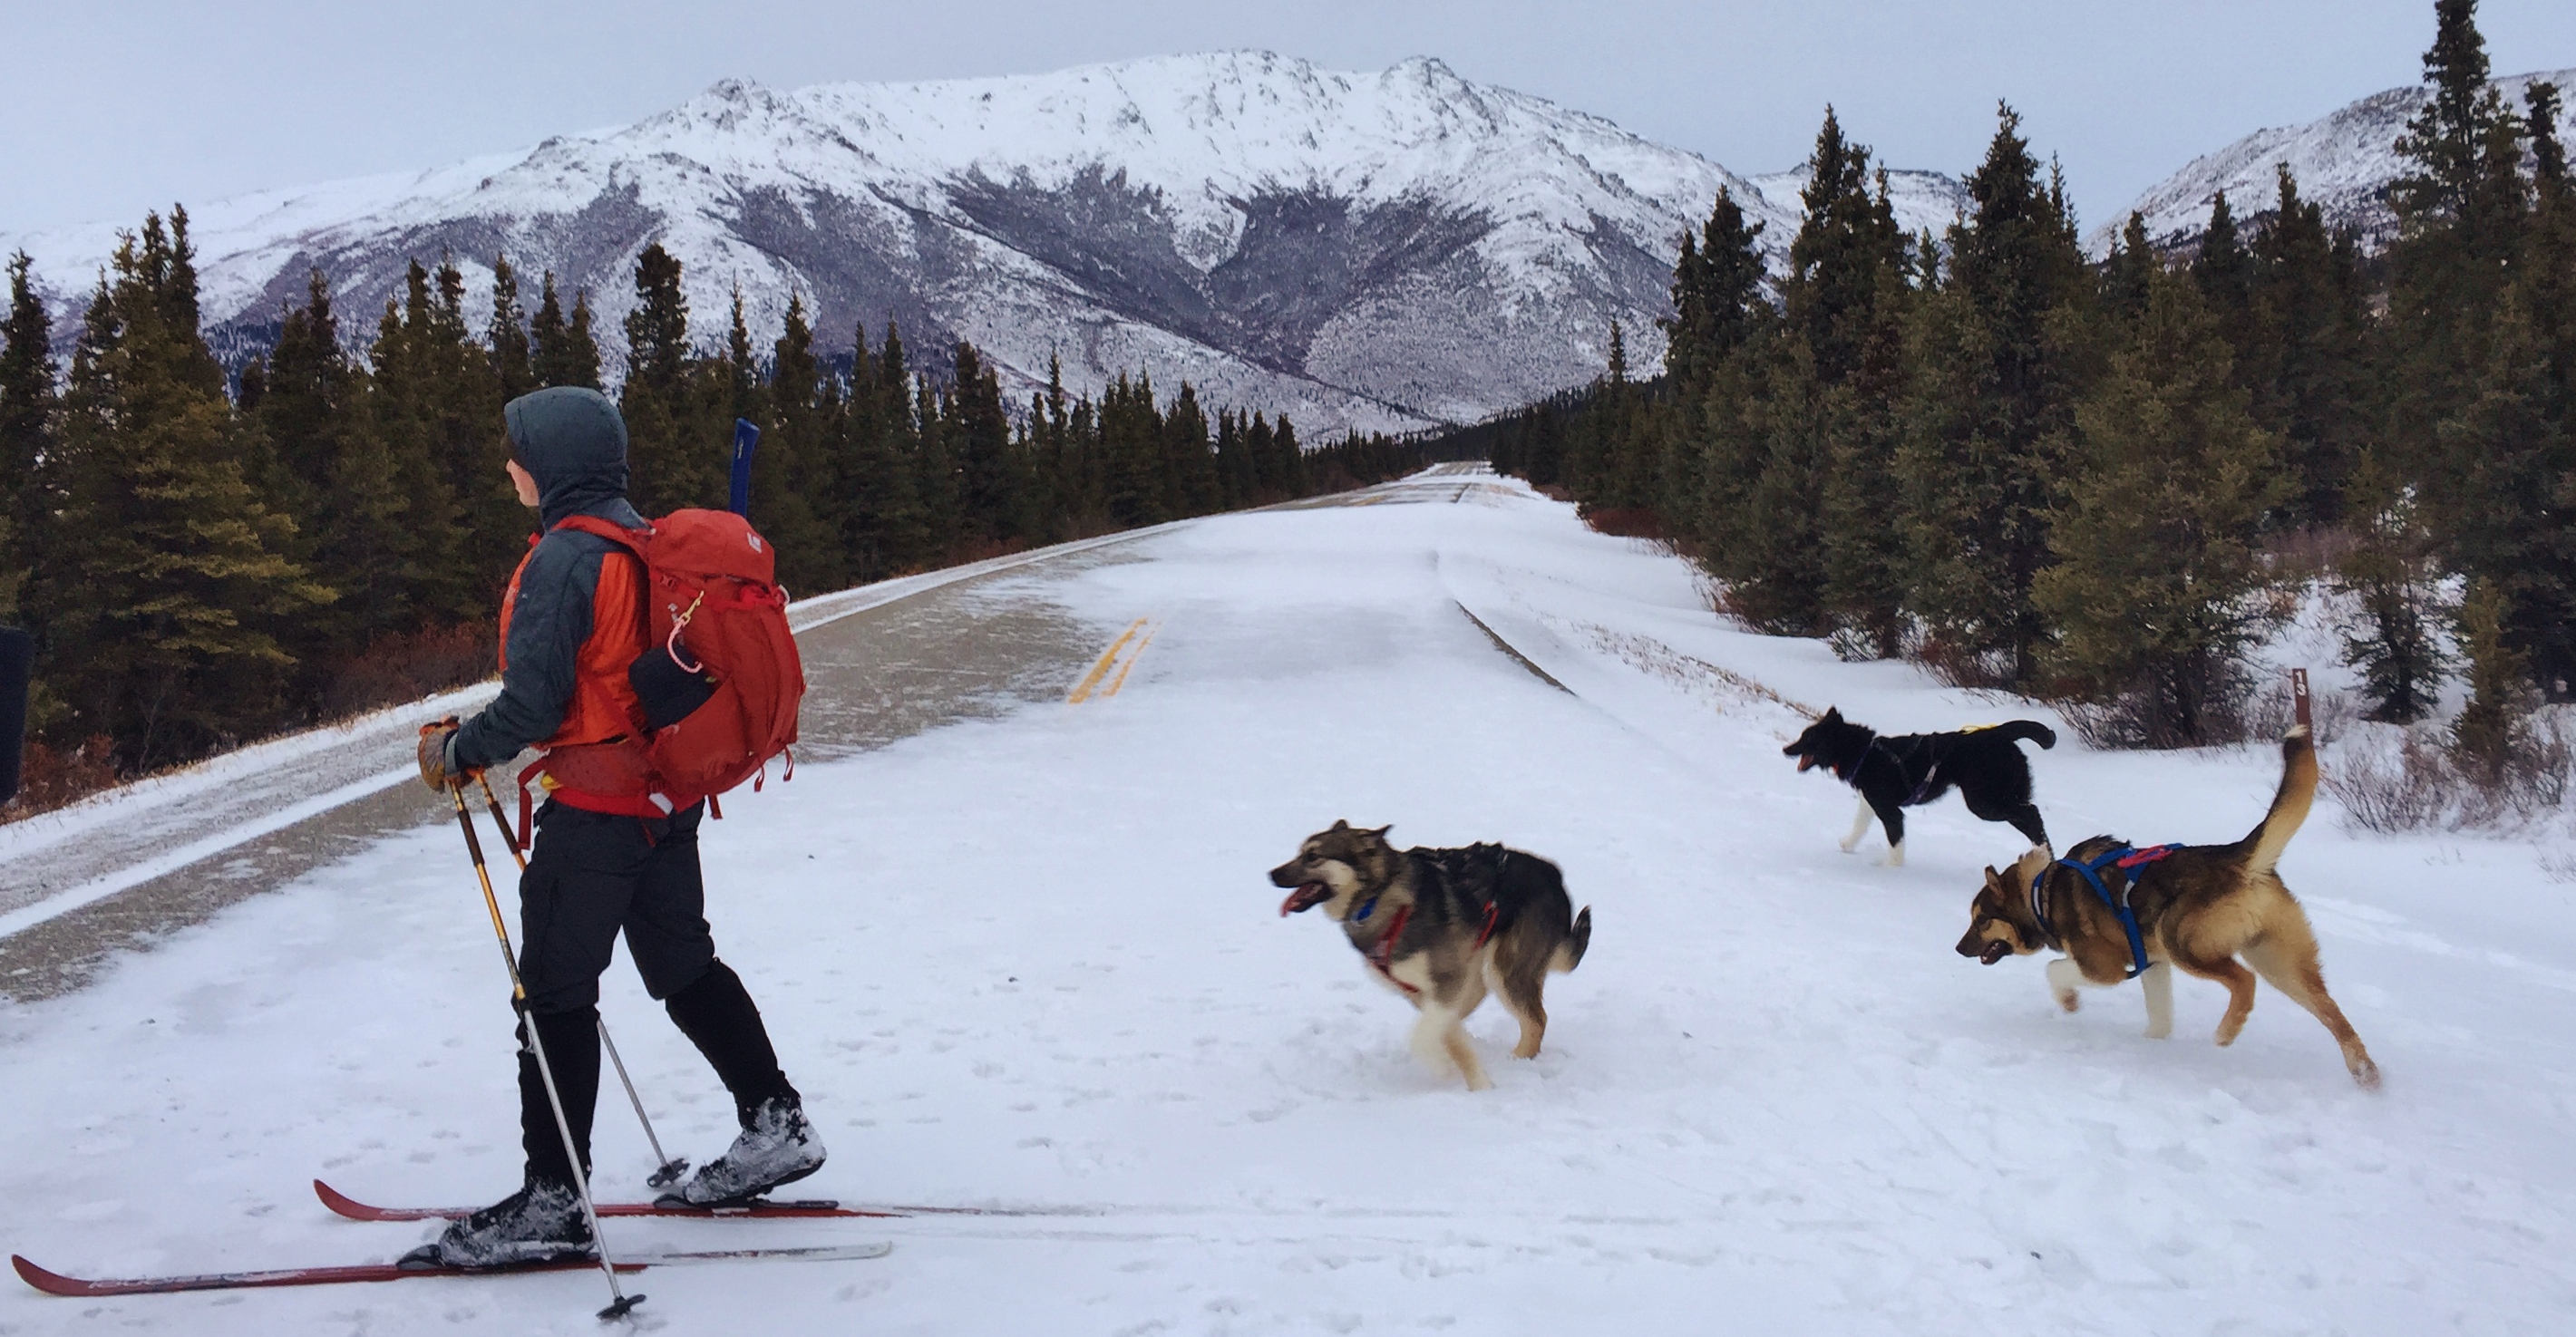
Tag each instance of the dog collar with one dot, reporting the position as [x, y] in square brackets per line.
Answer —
[1367, 907]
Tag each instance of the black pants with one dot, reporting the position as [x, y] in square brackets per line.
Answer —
[591, 877]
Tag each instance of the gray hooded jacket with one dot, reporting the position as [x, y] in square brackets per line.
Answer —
[574, 443]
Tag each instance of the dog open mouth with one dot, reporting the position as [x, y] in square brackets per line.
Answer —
[1307, 896]
[1805, 760]
[1995, 951]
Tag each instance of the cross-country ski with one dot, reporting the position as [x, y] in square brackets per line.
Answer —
[55, 1283]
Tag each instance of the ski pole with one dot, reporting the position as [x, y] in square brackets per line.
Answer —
[672, 1167]
[620, 1304]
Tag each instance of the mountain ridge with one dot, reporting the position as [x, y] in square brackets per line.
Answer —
[2345, 161]
[1385, 250]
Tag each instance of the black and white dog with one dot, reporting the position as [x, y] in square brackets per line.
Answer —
[1893, 774]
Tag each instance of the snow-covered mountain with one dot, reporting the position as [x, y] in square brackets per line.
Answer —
[2345, 162]
[1922, 201]
[1386, 250]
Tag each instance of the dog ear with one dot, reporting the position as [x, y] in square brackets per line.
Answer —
[1380, 833]
[1994, 880]
[1832, 715]
[1341, 825]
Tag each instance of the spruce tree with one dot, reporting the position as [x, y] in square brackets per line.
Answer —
[2391, 576]
[506, 338]
[170, 585]
[2155, 542]
[1192, 487]
[670, 465]
[2510, 468]
[2130, 272]
[1132, 450]
[1990, 398]
[2307, 359]
[404, 426]
[28, 401]
[903, 532]
[2494, 726]
[979, 435]
[562, 352]
[2225, 272]
[795, 491]
[1867, 575]
[2459, 222]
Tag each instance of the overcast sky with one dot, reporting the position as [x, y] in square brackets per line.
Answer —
[114, 107]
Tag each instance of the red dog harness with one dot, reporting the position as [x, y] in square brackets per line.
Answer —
[1381, 954]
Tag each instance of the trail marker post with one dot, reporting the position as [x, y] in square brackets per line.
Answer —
[2299, 710]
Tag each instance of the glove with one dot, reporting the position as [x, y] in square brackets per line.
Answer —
[433, 757]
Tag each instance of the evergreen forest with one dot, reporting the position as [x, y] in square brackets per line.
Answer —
[2103, 483]
[207, 555]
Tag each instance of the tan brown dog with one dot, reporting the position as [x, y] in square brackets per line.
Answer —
[2195, 906]
[1439, 925]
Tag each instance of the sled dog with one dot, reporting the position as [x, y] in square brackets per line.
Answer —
[1909, 770]
[2195, 906]
[1440, 926]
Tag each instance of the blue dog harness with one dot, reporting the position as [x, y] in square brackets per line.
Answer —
[2127, 860]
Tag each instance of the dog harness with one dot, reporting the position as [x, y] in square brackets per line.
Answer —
[1381, 954]
[1878, 741]
[2127, 860]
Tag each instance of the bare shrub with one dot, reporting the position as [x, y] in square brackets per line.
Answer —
[2273, 708]
[408, 666]
[2412, 790]
[2424, 784]
[1627, 522]
[1959, 666]
[2558, 867]
[2195, 702]
[53, 777]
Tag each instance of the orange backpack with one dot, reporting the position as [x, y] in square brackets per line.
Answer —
[712, 599]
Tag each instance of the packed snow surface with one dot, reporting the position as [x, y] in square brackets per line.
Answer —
[1032, 961]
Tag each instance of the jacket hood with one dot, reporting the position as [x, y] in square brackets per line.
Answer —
[572, 441]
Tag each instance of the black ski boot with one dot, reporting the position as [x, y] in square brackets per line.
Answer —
[777, 1146]
[541, 1223]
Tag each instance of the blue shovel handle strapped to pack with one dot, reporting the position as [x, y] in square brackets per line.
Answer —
[2127, 859]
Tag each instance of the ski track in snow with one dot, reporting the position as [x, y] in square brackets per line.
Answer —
[1033, 961]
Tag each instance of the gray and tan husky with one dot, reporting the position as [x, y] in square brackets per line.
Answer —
[1441, 925]
[2199, 907]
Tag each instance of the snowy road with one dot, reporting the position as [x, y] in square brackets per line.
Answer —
[1030, 959]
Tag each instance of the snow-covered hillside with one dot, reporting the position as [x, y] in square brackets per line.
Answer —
[1922, 201]
[1031, 961]
[1375, 250]
[2345, 162]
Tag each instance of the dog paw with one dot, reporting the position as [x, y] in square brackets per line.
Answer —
[1849, 845]
[2164, 1032]
[2067, 1001]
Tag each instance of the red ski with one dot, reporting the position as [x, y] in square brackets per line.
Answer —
[55, 1283]
[762, 1208]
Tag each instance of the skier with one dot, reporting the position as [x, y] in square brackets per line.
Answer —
[609, 856]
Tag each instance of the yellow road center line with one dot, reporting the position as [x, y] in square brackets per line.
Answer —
[1082, 689]
[1121, 679]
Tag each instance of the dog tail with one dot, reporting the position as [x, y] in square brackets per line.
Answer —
[2289, 806]
[2031, 729]
[1569, 953]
